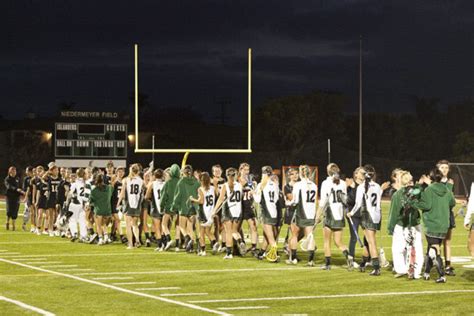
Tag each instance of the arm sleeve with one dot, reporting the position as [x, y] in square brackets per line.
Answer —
[324, 195]
[424, 203]
[393, 214]
[296, 194]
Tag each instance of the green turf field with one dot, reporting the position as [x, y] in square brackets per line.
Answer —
[66, 278]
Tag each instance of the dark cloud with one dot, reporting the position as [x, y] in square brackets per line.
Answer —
[193, 52]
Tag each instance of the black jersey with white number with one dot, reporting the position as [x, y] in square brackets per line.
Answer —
[53, 188]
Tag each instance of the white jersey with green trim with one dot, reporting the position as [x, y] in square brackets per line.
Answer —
[134, 192]
[331, 197]
[234, 199]
[305, 192]
[209, 201]
[372, 199]
[470, 207]
[78, 192]
[270, 194]
[157, 186]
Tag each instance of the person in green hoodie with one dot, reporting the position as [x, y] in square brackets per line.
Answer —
[186, 189]
[435, 203]
[167, 195]
[100, 198]
[404, 226]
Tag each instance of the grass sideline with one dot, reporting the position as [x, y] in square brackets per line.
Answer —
[110, 280]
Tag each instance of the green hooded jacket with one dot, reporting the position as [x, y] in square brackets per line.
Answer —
[168, 190]
[187, 187]
[435, 202]
[397, 216]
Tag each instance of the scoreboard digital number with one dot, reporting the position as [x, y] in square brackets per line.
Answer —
[90, 140]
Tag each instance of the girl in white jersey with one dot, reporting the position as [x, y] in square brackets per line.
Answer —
[267, 195]
[230, 199]
[77, 201]
[206, 200]
[332, 204]
[304, 197]
[153, 194]
[132, 195]
[368, 197]
[468, 224]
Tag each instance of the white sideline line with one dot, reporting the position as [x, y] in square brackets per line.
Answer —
[241, 308]
[26, 306]
[30, 259]
[331, 296]
[163, 299]
[199, 271]
[11, 253]
[183, 294]
[34, 242]
[72, 270]
[133, 283]
[98, 254]
[2, 250]
[42, 262]
[158, 288]
[114, 278]
[59, 265]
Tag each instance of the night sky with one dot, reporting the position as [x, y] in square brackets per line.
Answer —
[193, 53]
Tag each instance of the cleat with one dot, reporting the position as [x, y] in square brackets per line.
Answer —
[350, 263]
[138, 245]
[51, 234]
[176, 249]
[148, 243]
[123, 239]
[400, 275]
[450, 271]
[361, 268]
[291, 262]
[221, 249]
[326, 267]
[56, 233]
[130, 247]
[82, 240]
[310, 263]
[190, 246]
[441, 280]
[215, 248]
[101, 242]
[168, 245]
[45, 232]
[375, 272]
[426, 276]
[228, 257]
[203, 253]
[242, 249]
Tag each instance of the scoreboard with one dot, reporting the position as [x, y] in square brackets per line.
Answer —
[90, 140]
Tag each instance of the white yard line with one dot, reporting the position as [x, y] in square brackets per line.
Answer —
[109, 286]
[183, 294]
[241, 308]
[74, 269]
[289, 298]
[3, 250]
[158, 288]
[114, 278]
[33, 242]
[59, 265]
[200, 271]
[133, 283]
[30, 259]
[42, 262]
[26, 306]
[10, 253]
[130, 253]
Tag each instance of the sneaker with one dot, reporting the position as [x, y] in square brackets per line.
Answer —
[45, 232]
[292, 261]
[83, 240]
[203, 253]
[221, 249]
[101, 242]
[375, 272]
[350, 263]
[38, 232]
[361, 268]
[450, 271]
[215, 248]
[74, 238]
[426, 276]
[123, 239]
[242, 249]
[33, 230]
[51, 234]
[310, 263]
[441, 279]
[148, 242]
[57, 233]
[228, 257]
[176, 249]
[138, 245]
[130, 247]
[326, 267]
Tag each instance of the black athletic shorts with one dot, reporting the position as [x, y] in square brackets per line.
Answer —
[51, 203]
[434, 240]
[247, 210]
[13, 205]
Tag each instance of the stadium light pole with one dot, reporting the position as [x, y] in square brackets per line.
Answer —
[360, 100]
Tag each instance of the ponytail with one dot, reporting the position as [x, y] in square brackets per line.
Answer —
[334, 172]
[266, 171]
[230, 174]
[369, 176]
